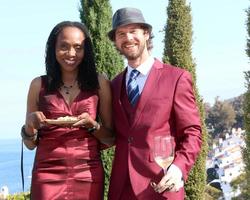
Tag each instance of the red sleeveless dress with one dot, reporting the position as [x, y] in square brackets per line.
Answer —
[67, 164]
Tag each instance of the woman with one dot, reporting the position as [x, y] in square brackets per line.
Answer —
[67, 163]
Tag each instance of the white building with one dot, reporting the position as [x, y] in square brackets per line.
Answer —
[227, 157]
[4, 193]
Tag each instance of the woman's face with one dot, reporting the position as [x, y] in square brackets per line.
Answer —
[70, 48]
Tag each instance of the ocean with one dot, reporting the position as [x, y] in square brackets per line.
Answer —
[10, 165]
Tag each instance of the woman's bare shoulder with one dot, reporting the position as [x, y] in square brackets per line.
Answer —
[36, 83]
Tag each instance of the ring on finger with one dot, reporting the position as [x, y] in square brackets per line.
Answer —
[169, 187]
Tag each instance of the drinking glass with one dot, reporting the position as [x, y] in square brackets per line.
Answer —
[163, 152]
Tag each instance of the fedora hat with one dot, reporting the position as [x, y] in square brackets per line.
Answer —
[125, 16]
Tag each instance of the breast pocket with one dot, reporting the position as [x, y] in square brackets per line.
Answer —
[160, 104]
[156, 113]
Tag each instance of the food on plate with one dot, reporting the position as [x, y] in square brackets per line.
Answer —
[67, 118]
[63, 120]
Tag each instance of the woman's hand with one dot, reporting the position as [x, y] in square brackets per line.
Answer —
[85, 120]
[35, 120]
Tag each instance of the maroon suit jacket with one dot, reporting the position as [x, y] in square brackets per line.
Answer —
[166, 107]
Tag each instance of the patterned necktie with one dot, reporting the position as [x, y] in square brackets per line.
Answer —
[133, 88]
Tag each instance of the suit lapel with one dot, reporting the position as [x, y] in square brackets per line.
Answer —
[149, 88]
[118, 96]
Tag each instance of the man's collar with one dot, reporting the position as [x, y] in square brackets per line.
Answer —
[144, 68]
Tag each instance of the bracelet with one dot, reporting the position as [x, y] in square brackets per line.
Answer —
[25, 136]
[94, 128]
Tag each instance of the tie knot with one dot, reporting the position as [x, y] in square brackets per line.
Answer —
[134, 73]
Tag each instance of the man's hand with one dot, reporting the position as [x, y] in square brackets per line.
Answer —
[172, 180]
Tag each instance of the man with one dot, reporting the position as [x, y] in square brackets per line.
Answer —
[158, 100]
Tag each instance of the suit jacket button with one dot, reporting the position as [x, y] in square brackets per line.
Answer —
[130, 139]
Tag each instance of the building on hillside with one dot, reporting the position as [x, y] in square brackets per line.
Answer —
[226, 158]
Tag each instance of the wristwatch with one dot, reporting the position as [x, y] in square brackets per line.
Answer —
[94, 128]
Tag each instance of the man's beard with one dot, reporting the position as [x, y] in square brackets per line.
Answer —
[133, 55]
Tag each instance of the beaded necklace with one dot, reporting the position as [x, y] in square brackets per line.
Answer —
[67, 89]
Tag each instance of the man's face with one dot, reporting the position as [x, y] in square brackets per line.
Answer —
[130, 40]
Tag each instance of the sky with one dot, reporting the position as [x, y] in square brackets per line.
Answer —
[219, 43]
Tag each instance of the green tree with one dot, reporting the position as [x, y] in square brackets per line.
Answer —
[19, 196]
[246, 151]
[240, 183]
[211, 193]
[178, 52]
[248, 32]
[97, 15]
[221, 117]
[237, 104]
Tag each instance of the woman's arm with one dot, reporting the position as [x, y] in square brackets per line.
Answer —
[105, 133]
[33, 116]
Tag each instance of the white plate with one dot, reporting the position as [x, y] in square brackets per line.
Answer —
[61, 122]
